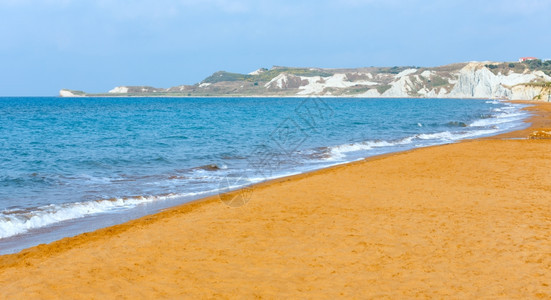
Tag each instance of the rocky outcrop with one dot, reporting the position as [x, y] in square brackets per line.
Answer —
[71, 93]
[531, 92]
[475, 81]
[285, 81]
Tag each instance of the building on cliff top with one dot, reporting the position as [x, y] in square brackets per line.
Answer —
[523, 59]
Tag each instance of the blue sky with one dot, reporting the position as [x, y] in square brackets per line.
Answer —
[46, 45]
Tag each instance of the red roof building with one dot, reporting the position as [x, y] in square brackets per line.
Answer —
[523, 59]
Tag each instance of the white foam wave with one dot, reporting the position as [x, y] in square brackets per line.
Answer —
[449, 136]
[508, 119]
[14, 222]
[446, 135]
[499, 119]
[339, 152]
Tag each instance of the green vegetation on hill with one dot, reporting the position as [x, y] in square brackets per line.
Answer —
[396, 70]
[78, 93]
[540, 84]
[520, 67]
[264, 76]
[226, 76]
[436, 81]
[274, 72]
[383, 88]
[358, 90]
[505, 68]
[538, 64]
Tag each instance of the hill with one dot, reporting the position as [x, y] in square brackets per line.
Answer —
[521, 81]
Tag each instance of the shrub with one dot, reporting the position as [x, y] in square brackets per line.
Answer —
[383, 88]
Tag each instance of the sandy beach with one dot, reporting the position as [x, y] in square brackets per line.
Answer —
[464, 220]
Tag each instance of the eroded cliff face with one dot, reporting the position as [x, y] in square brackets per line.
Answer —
[531, 92]
[477, 81]
[474, 80]
[465, 80]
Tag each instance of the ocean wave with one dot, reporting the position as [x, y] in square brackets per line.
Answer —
[499, 119]
[27, 179]
[446, 136]
[16, 221]
[339, 152]
[508, 118]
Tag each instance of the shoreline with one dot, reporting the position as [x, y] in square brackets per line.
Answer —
[197, 210]
[69, 228]
[541, 120]
[289, 97]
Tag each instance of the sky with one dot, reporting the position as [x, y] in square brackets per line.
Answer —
[47, 45]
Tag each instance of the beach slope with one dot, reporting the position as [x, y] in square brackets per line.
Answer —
[464, 220]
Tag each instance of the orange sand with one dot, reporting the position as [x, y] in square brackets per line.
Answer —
[466, 220]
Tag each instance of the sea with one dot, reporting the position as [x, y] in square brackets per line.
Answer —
[73, 165]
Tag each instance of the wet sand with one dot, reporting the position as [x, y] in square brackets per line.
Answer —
[465, 220]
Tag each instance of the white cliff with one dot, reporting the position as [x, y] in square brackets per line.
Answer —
[472, 81]
[70, 93]
[400, 88]
[477, 81]
[514, 81]
[531, 92]
[119, 90]
[284, 81]
[136, 90]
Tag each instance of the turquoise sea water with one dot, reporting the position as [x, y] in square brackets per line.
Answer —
[67, 161]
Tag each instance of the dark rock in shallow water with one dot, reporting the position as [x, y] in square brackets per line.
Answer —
[457, 124]
[212, 167]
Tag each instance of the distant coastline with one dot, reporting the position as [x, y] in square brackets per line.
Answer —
[525, 80]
